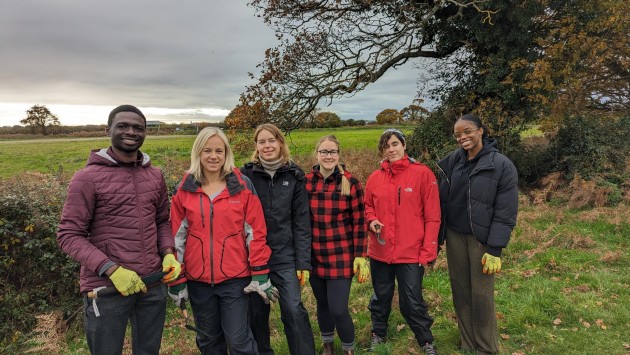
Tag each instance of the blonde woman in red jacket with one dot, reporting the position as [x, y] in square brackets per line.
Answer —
[402, 209]
[220, 237]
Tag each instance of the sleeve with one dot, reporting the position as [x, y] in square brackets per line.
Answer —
[359, 227]
[370, 209]
[164, 236]
[179, 225]
[74, 227]
[505, 207]
[259, 251]
[430, 200]
[301, 225]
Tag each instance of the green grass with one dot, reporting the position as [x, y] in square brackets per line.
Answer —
[564, 288]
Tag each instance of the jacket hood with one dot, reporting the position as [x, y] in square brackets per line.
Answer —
[107, 157]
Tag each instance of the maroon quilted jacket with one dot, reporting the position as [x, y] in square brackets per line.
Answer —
[115, 213]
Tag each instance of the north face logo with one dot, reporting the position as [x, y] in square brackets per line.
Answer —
[235, 201]
[285, 183]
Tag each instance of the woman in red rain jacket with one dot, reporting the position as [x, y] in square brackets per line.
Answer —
[402, 208]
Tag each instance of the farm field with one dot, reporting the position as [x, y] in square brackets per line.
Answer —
[564, 287]
[70, 154]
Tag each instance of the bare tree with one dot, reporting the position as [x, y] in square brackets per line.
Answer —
[335, 48]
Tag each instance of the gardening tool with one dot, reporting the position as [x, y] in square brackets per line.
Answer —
[182, 306]
[380, 240]
[105, 291]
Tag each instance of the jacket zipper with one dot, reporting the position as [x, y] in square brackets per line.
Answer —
[399, 196]
[141, 234]
[211, 242]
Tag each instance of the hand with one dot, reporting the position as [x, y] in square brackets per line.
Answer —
[172, 266]
[262, 286]
[491, 264]
[127, 282]
[178, 293]
[361, 268]
[303, 276]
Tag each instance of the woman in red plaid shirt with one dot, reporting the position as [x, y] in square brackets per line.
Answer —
[339, 242]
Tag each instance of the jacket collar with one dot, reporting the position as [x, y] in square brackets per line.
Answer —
[233, 180]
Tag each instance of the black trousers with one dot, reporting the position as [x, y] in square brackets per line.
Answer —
[221, 312]
[412, 305]
[297, 326]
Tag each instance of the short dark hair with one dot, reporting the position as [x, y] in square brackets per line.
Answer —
[125, 108]
[476, 121]
[387, 134]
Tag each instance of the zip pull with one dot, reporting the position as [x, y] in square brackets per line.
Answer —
[399, 196]
[203, 220]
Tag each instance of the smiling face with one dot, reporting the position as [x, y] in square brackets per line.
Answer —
[267, 145]
[127, 133]
[213, 156]
[327, 156]
[469, 136]
[394, 150]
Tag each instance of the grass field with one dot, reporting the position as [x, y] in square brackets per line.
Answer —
[564, 288]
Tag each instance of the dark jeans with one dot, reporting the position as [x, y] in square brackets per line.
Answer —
[297, 326]
[332, 309]
[106, 333]
[221, 310]
[473, 293]
[412, 305]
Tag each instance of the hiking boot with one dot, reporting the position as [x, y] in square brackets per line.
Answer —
[429, 349]
[329, 349]
[375, 341]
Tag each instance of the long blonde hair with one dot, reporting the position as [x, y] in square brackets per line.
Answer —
[345, 184]
[196, 169]
[277, 134]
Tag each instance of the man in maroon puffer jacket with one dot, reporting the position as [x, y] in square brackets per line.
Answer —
[115, 223]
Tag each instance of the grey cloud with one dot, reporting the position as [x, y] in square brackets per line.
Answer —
[172, 54]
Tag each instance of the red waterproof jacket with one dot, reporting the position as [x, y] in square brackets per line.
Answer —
[223, 238]
[115, 213]
[403, 195]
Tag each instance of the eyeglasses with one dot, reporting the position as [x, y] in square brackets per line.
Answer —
[324, 153]
[466, 132]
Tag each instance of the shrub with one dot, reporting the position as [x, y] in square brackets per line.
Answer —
[590, 147]
[37, 276]
[432, 140]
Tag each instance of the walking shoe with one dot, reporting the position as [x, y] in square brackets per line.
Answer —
[375, 341]
[329, 349]
[429, 349]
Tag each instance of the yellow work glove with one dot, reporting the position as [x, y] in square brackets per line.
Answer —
[127, 282]
[491, 264]
[172, 266]
[303, 276]
[361, 268]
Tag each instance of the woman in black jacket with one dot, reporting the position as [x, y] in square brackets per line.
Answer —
[280, 185]
[479, 200]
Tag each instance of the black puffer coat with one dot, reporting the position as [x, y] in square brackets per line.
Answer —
[287, 214]
[492, 195]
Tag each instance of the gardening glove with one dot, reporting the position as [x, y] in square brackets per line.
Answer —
[127, 282]
[491, 264]
[361, 268]
[303, 276]
[178, 293]
[172, 266]
[262, 286]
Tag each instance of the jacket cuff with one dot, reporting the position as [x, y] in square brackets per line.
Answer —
[494, 251]
[107, 265]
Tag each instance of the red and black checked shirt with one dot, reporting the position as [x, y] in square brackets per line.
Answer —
[338, 223]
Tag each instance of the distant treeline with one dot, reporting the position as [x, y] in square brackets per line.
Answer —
[18, 131]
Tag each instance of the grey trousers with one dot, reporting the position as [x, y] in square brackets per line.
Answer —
[473, 293]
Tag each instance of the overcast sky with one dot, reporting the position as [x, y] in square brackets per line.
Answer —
[177, 60]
